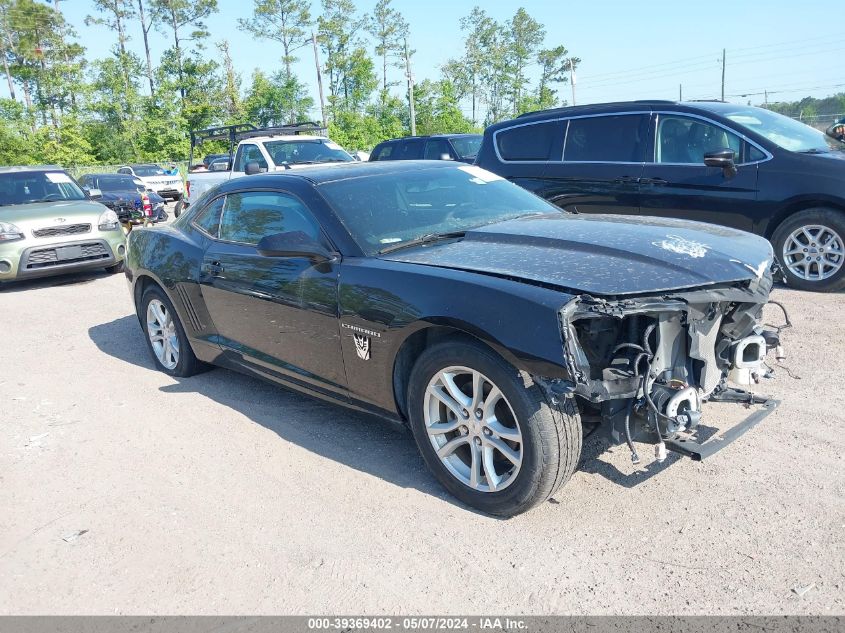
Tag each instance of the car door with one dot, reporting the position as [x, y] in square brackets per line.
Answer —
[247, 152]
[279, 313]
[676, 183]
[602, 163]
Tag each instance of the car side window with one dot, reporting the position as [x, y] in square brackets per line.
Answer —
[209, 218]
[685, 140]
[123, 170]
[410, 150]
[248, 153]
[437, 149]
[250, 216]
[528, 142]
[619, 138]
[383, 152]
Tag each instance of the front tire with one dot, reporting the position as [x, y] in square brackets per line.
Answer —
[165, 336]
[810, 246]
[177, 210]
[489, 434]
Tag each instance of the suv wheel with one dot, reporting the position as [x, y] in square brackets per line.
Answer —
[487, 432]
[810, 247]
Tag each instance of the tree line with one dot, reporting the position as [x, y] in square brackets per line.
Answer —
[127, 107]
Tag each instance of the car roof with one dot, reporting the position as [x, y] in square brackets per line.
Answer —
[110, 175]
[425, 136]
[133, 165]
[320, 174]
[643, 105]
[10, 169]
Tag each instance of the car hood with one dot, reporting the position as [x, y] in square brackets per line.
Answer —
[43, 214]
[603, 254]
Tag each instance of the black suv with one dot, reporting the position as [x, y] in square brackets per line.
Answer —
[462, 147]
[735, 165]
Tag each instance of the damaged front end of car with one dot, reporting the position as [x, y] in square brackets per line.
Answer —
[646, 365]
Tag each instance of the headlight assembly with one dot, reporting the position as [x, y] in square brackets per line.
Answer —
[9, 232]
[108, 221]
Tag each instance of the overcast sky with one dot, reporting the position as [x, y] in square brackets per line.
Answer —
[629, 50]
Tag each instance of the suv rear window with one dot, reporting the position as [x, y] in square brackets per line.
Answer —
[528, 142]
[608, 139]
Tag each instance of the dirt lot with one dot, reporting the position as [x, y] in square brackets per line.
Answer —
[220, 494]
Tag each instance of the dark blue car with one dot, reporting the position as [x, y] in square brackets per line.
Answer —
[123, 194]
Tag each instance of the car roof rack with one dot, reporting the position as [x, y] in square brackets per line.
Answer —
[235, 133]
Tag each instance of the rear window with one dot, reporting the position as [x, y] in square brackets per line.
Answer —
[610, 139]
[528, 142]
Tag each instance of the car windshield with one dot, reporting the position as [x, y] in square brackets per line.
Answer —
[784, 132]
[384, 210]
[37, 186]
[117, 183]
[148, 170]
[466, 146]
[306, 151]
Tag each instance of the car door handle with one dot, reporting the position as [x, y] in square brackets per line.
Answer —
[658, 182]
[213, 268]
[627, 180]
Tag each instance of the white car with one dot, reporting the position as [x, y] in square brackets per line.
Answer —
[156, 179]
[268, 153]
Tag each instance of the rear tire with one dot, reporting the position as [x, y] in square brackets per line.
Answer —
[810, 247]
[511, 428]
[165, 336]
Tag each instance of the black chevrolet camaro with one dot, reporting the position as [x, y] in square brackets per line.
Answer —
[491, 322]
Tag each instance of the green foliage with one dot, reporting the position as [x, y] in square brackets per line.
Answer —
[123, 108]
[438, 109]
[276, 100]
[389, 30]
[285, 21]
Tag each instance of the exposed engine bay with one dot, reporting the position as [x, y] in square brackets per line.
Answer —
[647, 365]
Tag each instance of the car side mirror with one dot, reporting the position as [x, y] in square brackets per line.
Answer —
[252, 167]
[293, 244]
[724, 159]
[93, 194]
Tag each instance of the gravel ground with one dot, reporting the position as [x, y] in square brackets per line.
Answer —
[125, 491]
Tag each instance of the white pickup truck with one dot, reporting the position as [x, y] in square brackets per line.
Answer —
[261, 150]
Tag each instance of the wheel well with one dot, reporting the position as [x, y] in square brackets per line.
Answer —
[794, 208]
[141, 284]
[411, 350]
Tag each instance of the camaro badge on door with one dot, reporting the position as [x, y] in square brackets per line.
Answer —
[362, 346]
[362, 338]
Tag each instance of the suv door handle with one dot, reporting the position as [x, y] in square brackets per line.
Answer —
[658, 182]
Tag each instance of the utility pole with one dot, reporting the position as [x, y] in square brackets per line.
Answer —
[766, 98]
[410, 89]
[572, 78]
[319, 80]
[680, 92]
[723, 74]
